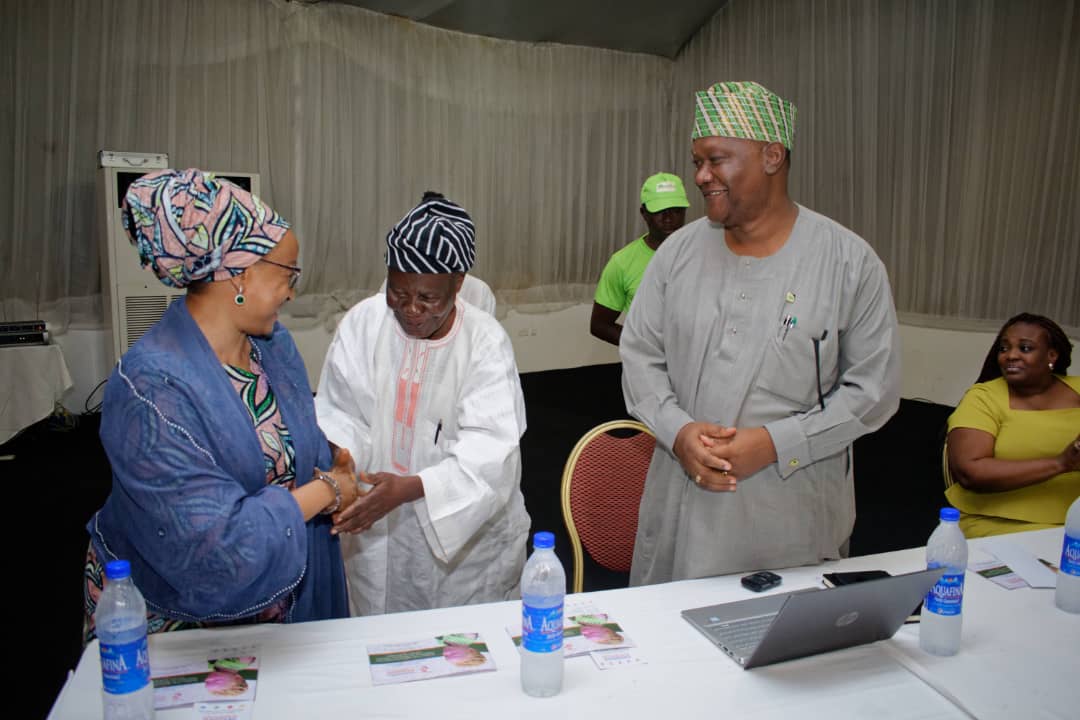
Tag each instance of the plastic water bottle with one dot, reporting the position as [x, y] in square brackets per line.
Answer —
[939, 628]
[120, 621]
[543, 587]
[1067, 595]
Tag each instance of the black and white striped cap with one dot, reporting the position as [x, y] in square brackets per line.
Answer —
[436, 236]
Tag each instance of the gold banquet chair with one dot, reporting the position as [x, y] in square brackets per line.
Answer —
[602, 485]
[945, 474]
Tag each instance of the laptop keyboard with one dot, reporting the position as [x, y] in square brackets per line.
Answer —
[740, 637]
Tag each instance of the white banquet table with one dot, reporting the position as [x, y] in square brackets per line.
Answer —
[1018, 659]
[33, 378]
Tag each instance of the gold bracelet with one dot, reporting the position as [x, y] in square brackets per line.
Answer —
[333, 486]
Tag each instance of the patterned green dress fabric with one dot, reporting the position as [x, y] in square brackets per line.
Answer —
[279, 459]
[255, 391]
[744, 110]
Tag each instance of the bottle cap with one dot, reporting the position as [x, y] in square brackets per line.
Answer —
[117, 569]
[949, 513]
[543, 539]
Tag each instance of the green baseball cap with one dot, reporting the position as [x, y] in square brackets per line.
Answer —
[662, 191]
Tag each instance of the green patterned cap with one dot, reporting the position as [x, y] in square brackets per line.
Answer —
[743, 110]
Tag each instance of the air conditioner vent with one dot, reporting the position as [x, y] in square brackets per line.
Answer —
[142, 312]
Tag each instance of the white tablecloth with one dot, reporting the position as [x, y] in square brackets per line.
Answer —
[33, 378]
[1018, 660]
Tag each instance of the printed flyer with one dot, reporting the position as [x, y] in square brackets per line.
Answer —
[426, 658]
[585, 629]
[224, 710]
[226, 675]
[1001, 574]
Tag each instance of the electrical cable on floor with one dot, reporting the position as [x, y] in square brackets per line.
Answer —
[87, 410]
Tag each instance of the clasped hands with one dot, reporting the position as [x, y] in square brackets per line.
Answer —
[716, 457]
[366, 507]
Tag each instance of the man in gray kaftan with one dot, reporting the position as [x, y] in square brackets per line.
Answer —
[740, 318]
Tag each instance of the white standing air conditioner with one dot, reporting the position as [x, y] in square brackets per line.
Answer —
[132, 296]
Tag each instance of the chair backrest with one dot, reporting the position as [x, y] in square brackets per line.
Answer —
[945, 474]
[602, 485]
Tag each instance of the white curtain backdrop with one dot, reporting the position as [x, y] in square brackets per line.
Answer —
[946, 133]
[348, 115]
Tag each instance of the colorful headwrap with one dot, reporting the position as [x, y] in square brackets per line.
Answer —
[436, 236]
[190, 226]
[743, 110]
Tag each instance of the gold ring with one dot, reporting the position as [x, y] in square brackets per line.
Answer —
[724, 473]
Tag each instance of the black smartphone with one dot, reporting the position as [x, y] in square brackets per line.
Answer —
[761, 581]
[836, 579]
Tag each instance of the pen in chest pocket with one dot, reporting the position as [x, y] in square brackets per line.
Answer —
[438, 429]
[789, 322]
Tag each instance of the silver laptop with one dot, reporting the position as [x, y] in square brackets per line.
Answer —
[765, 630]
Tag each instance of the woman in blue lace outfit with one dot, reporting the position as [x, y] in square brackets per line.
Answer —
[223, 483]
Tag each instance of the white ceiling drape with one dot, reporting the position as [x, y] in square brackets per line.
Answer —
[349, 116]
[946, 133]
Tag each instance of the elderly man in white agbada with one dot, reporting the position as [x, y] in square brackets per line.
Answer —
[423, 390]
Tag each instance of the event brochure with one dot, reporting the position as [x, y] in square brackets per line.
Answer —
[425, 658]
[1034, 572]
[621, 657]
[997, 573]
[224, 710]
[585, 630]
[221, 674]
[1000, 574]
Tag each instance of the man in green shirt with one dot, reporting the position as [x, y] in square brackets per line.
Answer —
[663, 207]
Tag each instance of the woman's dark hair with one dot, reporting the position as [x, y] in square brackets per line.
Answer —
[199, 286]
[1059, 341]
